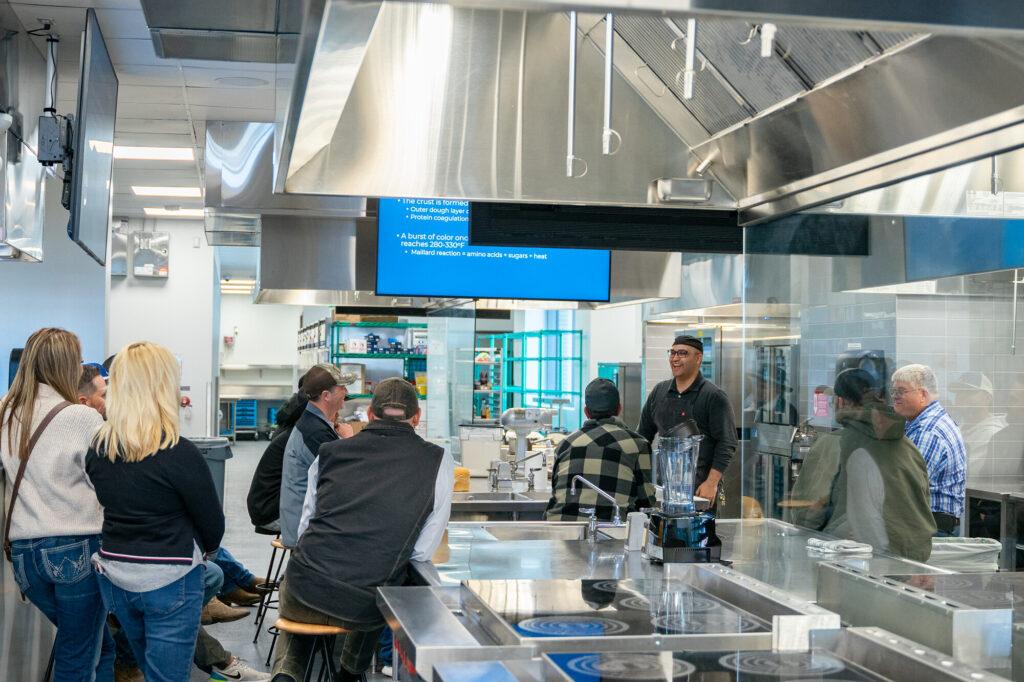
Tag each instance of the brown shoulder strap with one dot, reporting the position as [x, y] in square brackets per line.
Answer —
[21, 471]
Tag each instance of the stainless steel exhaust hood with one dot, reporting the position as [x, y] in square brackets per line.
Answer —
[417, 99]
[421, 99]
[239, 186]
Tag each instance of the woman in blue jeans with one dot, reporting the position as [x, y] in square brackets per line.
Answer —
[161, 513]
[54, 523]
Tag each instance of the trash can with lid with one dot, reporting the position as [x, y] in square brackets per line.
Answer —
[215, 451]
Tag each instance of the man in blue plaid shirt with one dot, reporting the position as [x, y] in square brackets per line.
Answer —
[938, 438]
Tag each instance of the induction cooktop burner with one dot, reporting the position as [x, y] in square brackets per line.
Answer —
[581, 610]
[689, 602]
[571, 626]
[705, 666]
[787, 664]
[632, 667]
[611, 586]
[684, 624]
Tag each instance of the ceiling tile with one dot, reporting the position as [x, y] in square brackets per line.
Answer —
[229, 114]
[118, 23]
[134, 51]
[125, 175]
[147, 74]
[149, 110]
[140, 94]
[240, 98]
[249, 68]
[150, 139]
[129, 124]
[206, 77]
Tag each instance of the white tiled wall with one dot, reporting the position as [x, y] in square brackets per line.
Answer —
[958, 335]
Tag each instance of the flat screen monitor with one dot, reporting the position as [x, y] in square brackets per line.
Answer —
[93, 157]
[423, 249]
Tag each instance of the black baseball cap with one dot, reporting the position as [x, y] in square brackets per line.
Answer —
[601, 396]
[394, 398]
[691, 341]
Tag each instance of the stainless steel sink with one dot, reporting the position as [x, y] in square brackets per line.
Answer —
[512, 533]
[488, 497]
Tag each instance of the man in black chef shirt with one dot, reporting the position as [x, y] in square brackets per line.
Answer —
[688, 395]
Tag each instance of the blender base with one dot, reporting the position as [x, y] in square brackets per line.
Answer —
[682, 539]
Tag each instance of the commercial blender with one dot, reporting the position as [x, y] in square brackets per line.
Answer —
[678, 533]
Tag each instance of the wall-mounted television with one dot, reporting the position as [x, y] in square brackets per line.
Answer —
[423, 249]
[93, 158]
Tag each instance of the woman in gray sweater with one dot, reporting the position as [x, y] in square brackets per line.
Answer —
[53, 526]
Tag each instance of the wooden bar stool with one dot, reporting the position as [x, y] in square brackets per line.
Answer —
[267, 589]
[323, 645]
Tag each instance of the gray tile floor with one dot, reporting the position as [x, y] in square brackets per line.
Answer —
[251, 549]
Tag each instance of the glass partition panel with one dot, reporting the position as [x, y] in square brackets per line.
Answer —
[844, 355]
[451, 334]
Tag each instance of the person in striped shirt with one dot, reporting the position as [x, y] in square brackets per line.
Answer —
[936, 435]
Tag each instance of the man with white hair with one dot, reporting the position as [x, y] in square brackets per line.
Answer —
[936, 435]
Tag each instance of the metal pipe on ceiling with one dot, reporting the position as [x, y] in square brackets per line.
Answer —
[609, 64]
[570, 153]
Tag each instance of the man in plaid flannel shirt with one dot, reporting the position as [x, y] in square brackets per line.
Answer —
[606, 453]
[936, 435]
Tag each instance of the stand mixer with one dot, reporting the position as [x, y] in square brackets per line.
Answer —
[678, 533]
[522, 421]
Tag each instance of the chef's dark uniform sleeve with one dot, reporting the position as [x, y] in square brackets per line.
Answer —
[647, 428]
[722, 428]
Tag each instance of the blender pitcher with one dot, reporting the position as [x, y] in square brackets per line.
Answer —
[677, 464]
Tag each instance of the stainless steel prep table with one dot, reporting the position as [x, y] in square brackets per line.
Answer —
[1009, 494]
[696, 607]
[768, 550]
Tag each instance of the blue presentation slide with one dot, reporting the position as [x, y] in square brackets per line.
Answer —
[423, 250]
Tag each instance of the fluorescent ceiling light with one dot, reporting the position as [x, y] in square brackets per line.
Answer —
[144, 191]
[153, 153]
[180, 213]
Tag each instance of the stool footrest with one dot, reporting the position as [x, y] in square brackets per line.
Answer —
[308, 629]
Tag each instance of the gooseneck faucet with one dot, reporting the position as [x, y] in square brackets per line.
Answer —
[592, 513]
[514, 464]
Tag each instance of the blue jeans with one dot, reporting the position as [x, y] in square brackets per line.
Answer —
[56, 575]
[161, 625]
[235, 574]
[213, 581]
[385, 647]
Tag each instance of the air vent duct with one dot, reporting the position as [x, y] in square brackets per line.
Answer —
[264, 31]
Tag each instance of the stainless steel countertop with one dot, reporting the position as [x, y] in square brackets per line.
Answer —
[995, 490]
[768, 550]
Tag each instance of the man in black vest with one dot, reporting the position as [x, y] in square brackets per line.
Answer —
[374, 502]
[688, 395]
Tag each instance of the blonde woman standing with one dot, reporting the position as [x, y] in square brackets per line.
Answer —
[52, 519]
[161, 513]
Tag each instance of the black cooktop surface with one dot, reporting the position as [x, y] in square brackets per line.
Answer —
[708, 666]
[605, 608]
